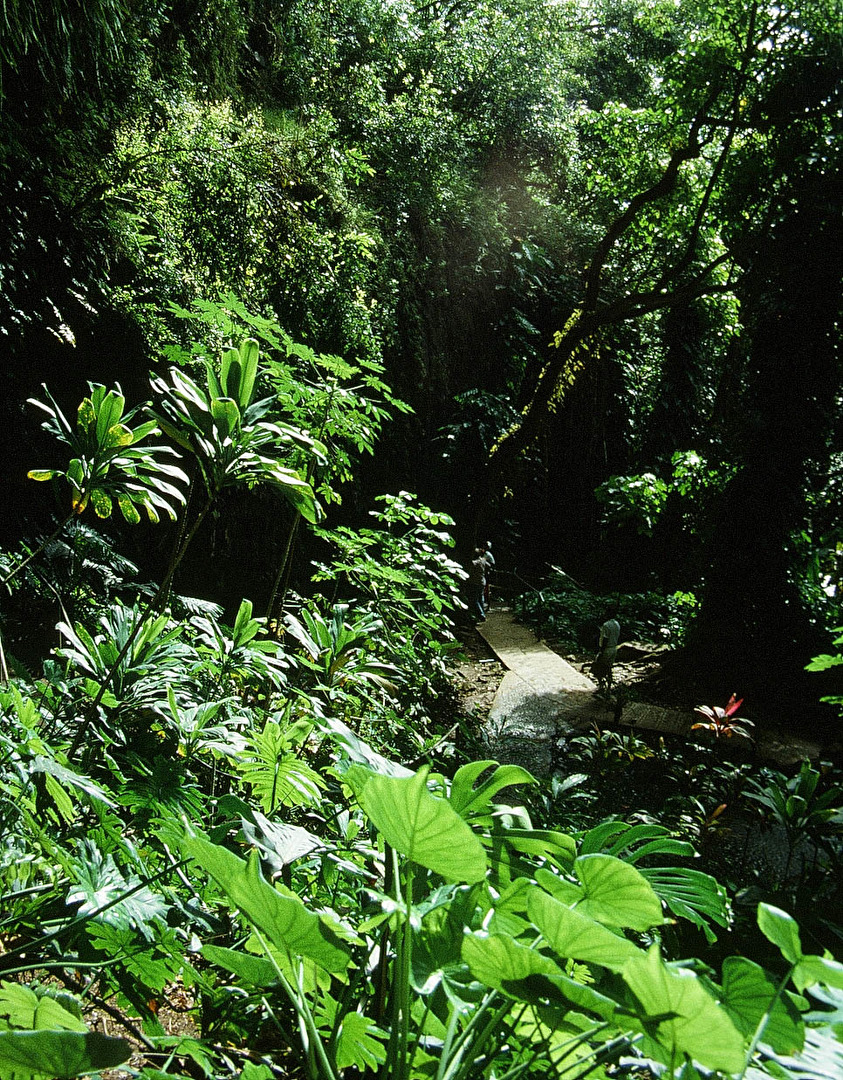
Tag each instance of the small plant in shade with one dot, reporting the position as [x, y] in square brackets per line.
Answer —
[723, 722]
[802, 807]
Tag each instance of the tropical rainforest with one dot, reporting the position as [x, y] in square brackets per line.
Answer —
[301, 301]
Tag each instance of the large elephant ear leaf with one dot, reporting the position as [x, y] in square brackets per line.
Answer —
[523, 973]
[37, 1055]
[424, 828]
[285, 921]
[615, 893]
[680, 1016]
[574, 936]
[750, 994]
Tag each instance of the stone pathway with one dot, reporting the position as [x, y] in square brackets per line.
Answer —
[542, 699]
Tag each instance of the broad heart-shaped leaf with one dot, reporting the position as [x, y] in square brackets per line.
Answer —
[467, 799]
[615, 893]
[58, 1054]
[437, 941]
[502, 964]
[250, 1072]
[546, 844]
[748, 991]
[26, 1009]
[425, 829]
[783, 930]
[575, 936]
[284, 919]
[679, 1016]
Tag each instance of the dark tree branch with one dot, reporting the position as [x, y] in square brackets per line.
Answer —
[669, 289]
[663, 187]
[583, 327]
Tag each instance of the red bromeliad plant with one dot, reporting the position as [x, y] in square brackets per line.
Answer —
[723, 722]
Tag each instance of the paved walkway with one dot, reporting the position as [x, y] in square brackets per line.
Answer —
[542, 699]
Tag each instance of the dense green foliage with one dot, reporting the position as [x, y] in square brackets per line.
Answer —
[588, 239]
[564, 273]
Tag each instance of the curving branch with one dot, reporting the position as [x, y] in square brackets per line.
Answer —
[671, 286]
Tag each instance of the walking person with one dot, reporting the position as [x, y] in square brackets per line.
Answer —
[601, 669]
[476, 585]
[489, 560]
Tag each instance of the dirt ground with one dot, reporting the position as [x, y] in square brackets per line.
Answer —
[478, 674]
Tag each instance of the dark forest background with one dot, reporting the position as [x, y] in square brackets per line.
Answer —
[595, 247]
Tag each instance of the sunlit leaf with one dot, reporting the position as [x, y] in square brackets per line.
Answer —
[748, 993]
[283, 919]
[576, 936]
[420, 826]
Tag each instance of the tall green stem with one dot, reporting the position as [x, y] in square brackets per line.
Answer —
[4, 670]
[403, 995]
[311, 1041]
[285, 561]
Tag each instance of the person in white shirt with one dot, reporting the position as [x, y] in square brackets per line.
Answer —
[489, 560]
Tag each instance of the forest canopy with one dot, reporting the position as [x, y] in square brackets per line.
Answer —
[583, 242]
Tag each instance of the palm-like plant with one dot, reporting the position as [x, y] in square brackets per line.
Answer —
[138, 656]
[800, 806]
[109, 465]
[237, 656]
[339, 652]
[226, 431]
